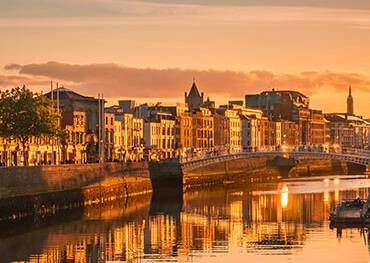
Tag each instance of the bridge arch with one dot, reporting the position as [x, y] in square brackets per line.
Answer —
[363, 160]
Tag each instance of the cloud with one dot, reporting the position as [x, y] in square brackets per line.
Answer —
[42, 8]
[359, 4]
[40, 13]
[120, 81]
[12, 81]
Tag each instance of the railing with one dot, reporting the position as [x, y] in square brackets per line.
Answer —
[360, 157]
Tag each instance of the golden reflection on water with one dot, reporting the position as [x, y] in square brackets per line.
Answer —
[224, 225]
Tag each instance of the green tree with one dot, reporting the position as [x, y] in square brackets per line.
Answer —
[25, 114]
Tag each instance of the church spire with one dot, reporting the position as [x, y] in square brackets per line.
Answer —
[194, 99]
[350, 110]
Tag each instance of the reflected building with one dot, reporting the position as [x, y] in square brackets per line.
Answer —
[211, 222]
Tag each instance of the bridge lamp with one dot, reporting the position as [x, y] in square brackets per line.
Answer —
[326, 196]
[284, 196]
[284, 148]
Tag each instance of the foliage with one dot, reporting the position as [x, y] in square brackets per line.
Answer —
[25, 114]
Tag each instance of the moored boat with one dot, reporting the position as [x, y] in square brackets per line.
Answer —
[350, 211]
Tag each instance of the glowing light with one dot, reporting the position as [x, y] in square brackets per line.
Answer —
[326, 180]
[326, 196]
[284, 196]
[336, 195]
[336, 180]
[284, 148]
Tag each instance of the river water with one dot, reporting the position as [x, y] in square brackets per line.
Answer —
[276, 222]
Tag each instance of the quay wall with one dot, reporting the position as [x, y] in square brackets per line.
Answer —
[26, 191]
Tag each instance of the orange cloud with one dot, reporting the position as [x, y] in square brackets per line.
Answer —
[120, 81]
[12, 81]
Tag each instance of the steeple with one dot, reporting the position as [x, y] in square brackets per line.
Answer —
[194, 92]
[194, 99]
[350, 110]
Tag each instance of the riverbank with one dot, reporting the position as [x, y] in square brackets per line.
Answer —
[39, 191]
[30, 191]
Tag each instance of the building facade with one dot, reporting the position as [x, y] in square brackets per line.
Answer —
[159, 136]
[227, 130]
[203, 130]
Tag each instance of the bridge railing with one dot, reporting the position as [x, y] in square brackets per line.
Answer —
[356, 151]
[360, 157]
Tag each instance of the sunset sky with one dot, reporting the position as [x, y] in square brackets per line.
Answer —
[151, 49]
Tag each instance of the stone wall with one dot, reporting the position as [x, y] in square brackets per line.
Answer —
[16, 181]
[42, 190]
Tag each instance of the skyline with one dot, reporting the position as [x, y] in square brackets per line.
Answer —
[232, 48]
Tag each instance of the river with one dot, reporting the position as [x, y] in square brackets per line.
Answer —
[274, 222]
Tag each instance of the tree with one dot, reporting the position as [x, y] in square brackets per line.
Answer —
[25, 114]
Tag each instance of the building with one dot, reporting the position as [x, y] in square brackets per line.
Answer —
[227, 130]
[108, 136]
[93, 109]
[348, 131]
[250, 133]
[138, 138]
[286, 105]
[71, 101]
[289, 133]
[80, 121]
[127, 105]
[268, 134]
[203, 130]
[283, 104]
[40, 151]
[239, 103]
[132, 133]
[195, 100]
[317, 128]
[159, 136]
[118, 153]
[278, 133]
[185, 139]
[73, 146]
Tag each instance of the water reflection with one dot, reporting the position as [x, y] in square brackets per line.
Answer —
[273, 223]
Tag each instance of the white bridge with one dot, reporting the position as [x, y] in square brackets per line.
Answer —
[361, 157]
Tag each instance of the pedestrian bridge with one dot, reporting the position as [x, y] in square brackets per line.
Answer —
[356, 157]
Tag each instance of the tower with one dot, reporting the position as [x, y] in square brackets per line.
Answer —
[194, 99]
[350, 102]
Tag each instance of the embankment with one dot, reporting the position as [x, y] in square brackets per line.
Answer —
[26, 191]
[44, 190]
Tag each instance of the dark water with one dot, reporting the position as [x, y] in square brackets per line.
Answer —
[283, 222]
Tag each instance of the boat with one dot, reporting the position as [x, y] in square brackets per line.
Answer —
[351, 212]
